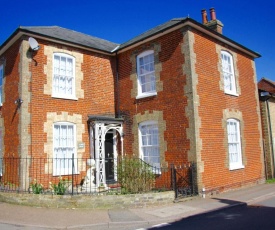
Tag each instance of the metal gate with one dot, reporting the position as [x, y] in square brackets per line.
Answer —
[184, 180]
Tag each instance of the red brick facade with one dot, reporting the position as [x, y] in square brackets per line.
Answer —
[190, 107]
[210, 150]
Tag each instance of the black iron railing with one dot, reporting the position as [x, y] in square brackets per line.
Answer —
[91, 176]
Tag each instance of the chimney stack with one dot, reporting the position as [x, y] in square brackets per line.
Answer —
[213, 14]
[213, 24]
[204, 16]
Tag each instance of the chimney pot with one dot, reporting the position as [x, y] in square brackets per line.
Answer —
[204, 16]
[212, 14]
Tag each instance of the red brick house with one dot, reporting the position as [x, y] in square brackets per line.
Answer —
[266, 89]
[180, 92]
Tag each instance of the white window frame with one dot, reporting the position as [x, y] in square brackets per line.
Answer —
[228, 71]
[234, 144]
[151, 145]
[1, 84]
[150, 74]
[69, 74]
[62, 153]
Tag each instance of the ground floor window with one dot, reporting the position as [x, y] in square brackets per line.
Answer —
[64, 145]
[234, 144]
[149, 143]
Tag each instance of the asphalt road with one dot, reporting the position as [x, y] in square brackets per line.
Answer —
[259, 214]
[256, 216]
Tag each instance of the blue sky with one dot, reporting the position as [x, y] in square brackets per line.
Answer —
[250, 23]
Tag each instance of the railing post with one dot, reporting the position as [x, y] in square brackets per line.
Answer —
[73, 174]
[174, 180]
[191, 178]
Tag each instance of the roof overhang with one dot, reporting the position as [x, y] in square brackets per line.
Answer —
[187, 22]
[21, 32]
[92, 118]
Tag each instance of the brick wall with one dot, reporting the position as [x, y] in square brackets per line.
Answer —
[170, 96]
[28, 130]
[195, 107]
[216, 106]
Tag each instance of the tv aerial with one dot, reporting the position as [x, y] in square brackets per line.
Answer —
[33, 44]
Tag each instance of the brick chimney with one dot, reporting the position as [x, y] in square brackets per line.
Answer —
[213, 24]
[204, 16]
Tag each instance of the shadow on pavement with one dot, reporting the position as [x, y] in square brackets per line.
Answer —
[237, 216]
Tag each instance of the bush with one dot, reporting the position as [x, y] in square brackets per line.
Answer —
[36, 187]
[135, 175]
[60, 188]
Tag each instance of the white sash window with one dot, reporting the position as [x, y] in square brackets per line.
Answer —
[149, 143]
[234, 144]
[63, 76]
[228, 73]
[146, 74]
[64, 147]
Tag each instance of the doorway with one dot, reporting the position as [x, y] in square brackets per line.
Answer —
[109, 157]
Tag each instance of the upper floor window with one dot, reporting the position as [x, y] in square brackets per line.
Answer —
[1, 83]
[234, 144]
[228, 73]
[63, 76]
[149, 143]
[64, 146]
[146, 74]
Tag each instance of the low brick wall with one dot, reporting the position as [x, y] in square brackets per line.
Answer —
[90, 201]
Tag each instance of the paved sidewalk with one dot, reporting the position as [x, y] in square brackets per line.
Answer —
[23, 217]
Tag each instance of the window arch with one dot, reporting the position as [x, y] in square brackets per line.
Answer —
[229, 78]
[146, 74]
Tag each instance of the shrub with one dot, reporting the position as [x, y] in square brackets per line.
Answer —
[135, 175]
[36, 187]
[60, 188]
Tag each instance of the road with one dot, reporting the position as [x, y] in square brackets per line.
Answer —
[259, 214]
[255, 216]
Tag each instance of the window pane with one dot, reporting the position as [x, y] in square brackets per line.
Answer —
[64, 148]
[149, 145]
[234, 143]
[146, 73]
[228, 73]
[63, 77]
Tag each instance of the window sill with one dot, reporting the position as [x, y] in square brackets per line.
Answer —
[232, 168]
[146, 95]
[65, 98]
[66, 174]
[232, 94]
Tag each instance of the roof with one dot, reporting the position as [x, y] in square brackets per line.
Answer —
[153, 31]
[182, 22]
[266, 85]
[66, 35]
[62, 35]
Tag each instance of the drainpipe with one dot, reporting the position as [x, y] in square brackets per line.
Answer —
[117, 101]
[266, 96]
[117, 90]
